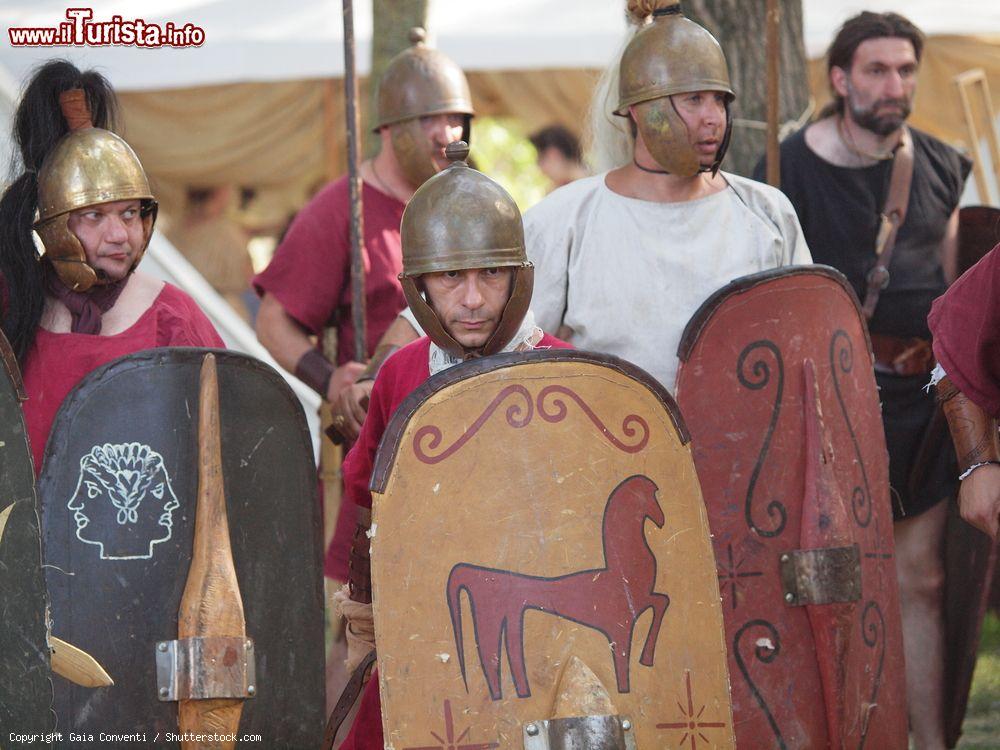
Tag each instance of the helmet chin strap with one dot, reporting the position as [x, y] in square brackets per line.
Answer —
[647, 169]
[701, 170]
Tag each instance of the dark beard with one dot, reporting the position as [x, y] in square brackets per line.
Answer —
[881, 125]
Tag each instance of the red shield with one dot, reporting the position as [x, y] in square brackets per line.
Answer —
[777, 387]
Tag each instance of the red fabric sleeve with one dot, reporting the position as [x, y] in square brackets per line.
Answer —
[965, 324]
[399, 376]
[358, 464]
[309, 269]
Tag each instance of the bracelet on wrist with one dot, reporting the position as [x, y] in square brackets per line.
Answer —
[972, 468]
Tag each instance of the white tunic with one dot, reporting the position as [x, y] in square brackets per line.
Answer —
[627, 274]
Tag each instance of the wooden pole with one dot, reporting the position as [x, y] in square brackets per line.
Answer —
[354, 175]
[773, 92]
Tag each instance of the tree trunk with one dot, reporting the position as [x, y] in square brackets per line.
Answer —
[740, 28]
[393, 20]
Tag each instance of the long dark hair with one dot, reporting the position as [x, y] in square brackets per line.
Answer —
[861, 28]
[38, 126]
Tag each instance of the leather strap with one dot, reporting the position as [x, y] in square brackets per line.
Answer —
[892, 217]
[972, 430]
[347, 700]
[359, 566]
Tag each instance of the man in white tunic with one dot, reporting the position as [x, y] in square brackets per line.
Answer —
[623, 259]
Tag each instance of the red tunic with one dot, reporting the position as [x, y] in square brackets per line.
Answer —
[965, 323]
[310, 275]
[58, 361]
[398, 378]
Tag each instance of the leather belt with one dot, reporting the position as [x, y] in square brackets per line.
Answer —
[901, 356]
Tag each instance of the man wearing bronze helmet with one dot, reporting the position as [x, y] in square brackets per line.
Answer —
[660, 227]
[878, 201]
[468, 283]
[83, 191]
[423, 104]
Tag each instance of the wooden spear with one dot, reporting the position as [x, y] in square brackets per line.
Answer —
[773, 24]
[354, 175]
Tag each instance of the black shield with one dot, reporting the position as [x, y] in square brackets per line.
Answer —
[25, 684]
[119, 486]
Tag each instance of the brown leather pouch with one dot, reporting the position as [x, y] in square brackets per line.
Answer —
[911, 356]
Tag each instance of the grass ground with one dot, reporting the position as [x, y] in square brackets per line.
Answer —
[981, 730]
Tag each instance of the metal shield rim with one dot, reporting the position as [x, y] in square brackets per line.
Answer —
[391, 439]
[708, 308]
[180, 355]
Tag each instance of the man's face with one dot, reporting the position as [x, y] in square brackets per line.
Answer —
[469, 303]
[440, 131]
[669, 125]
[111, 234]
[704, 114]
[879, 87]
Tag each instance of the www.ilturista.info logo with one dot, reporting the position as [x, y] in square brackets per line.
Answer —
[80, 30]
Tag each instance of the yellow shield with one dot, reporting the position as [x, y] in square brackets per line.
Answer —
[530, 508]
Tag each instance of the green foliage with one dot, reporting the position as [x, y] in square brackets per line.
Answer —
[981, 729]
[501, 149]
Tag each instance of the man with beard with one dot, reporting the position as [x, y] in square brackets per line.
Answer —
[82, 303]
[468, 282]
[837, 173]
[423, 105]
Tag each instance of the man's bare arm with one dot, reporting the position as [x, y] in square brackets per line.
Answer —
[288, 343]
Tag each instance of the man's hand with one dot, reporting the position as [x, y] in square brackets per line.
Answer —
[979, 499]
[348, 411]
[342, 377]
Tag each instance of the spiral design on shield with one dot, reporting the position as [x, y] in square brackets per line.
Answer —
[518, 414]
[553, 409]
[841, 363]
[766, 649]
[755, 378]
[873, 634]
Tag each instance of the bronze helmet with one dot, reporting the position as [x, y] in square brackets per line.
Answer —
[671, 55]
[418, 82]
[87, 167]
[457, 220]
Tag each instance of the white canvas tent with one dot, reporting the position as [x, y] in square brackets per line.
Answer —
[259, 102]
[257, 40]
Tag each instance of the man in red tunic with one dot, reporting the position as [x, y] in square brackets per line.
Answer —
[965, 322]
[468, 283]
[83, 304]
[423, 105]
